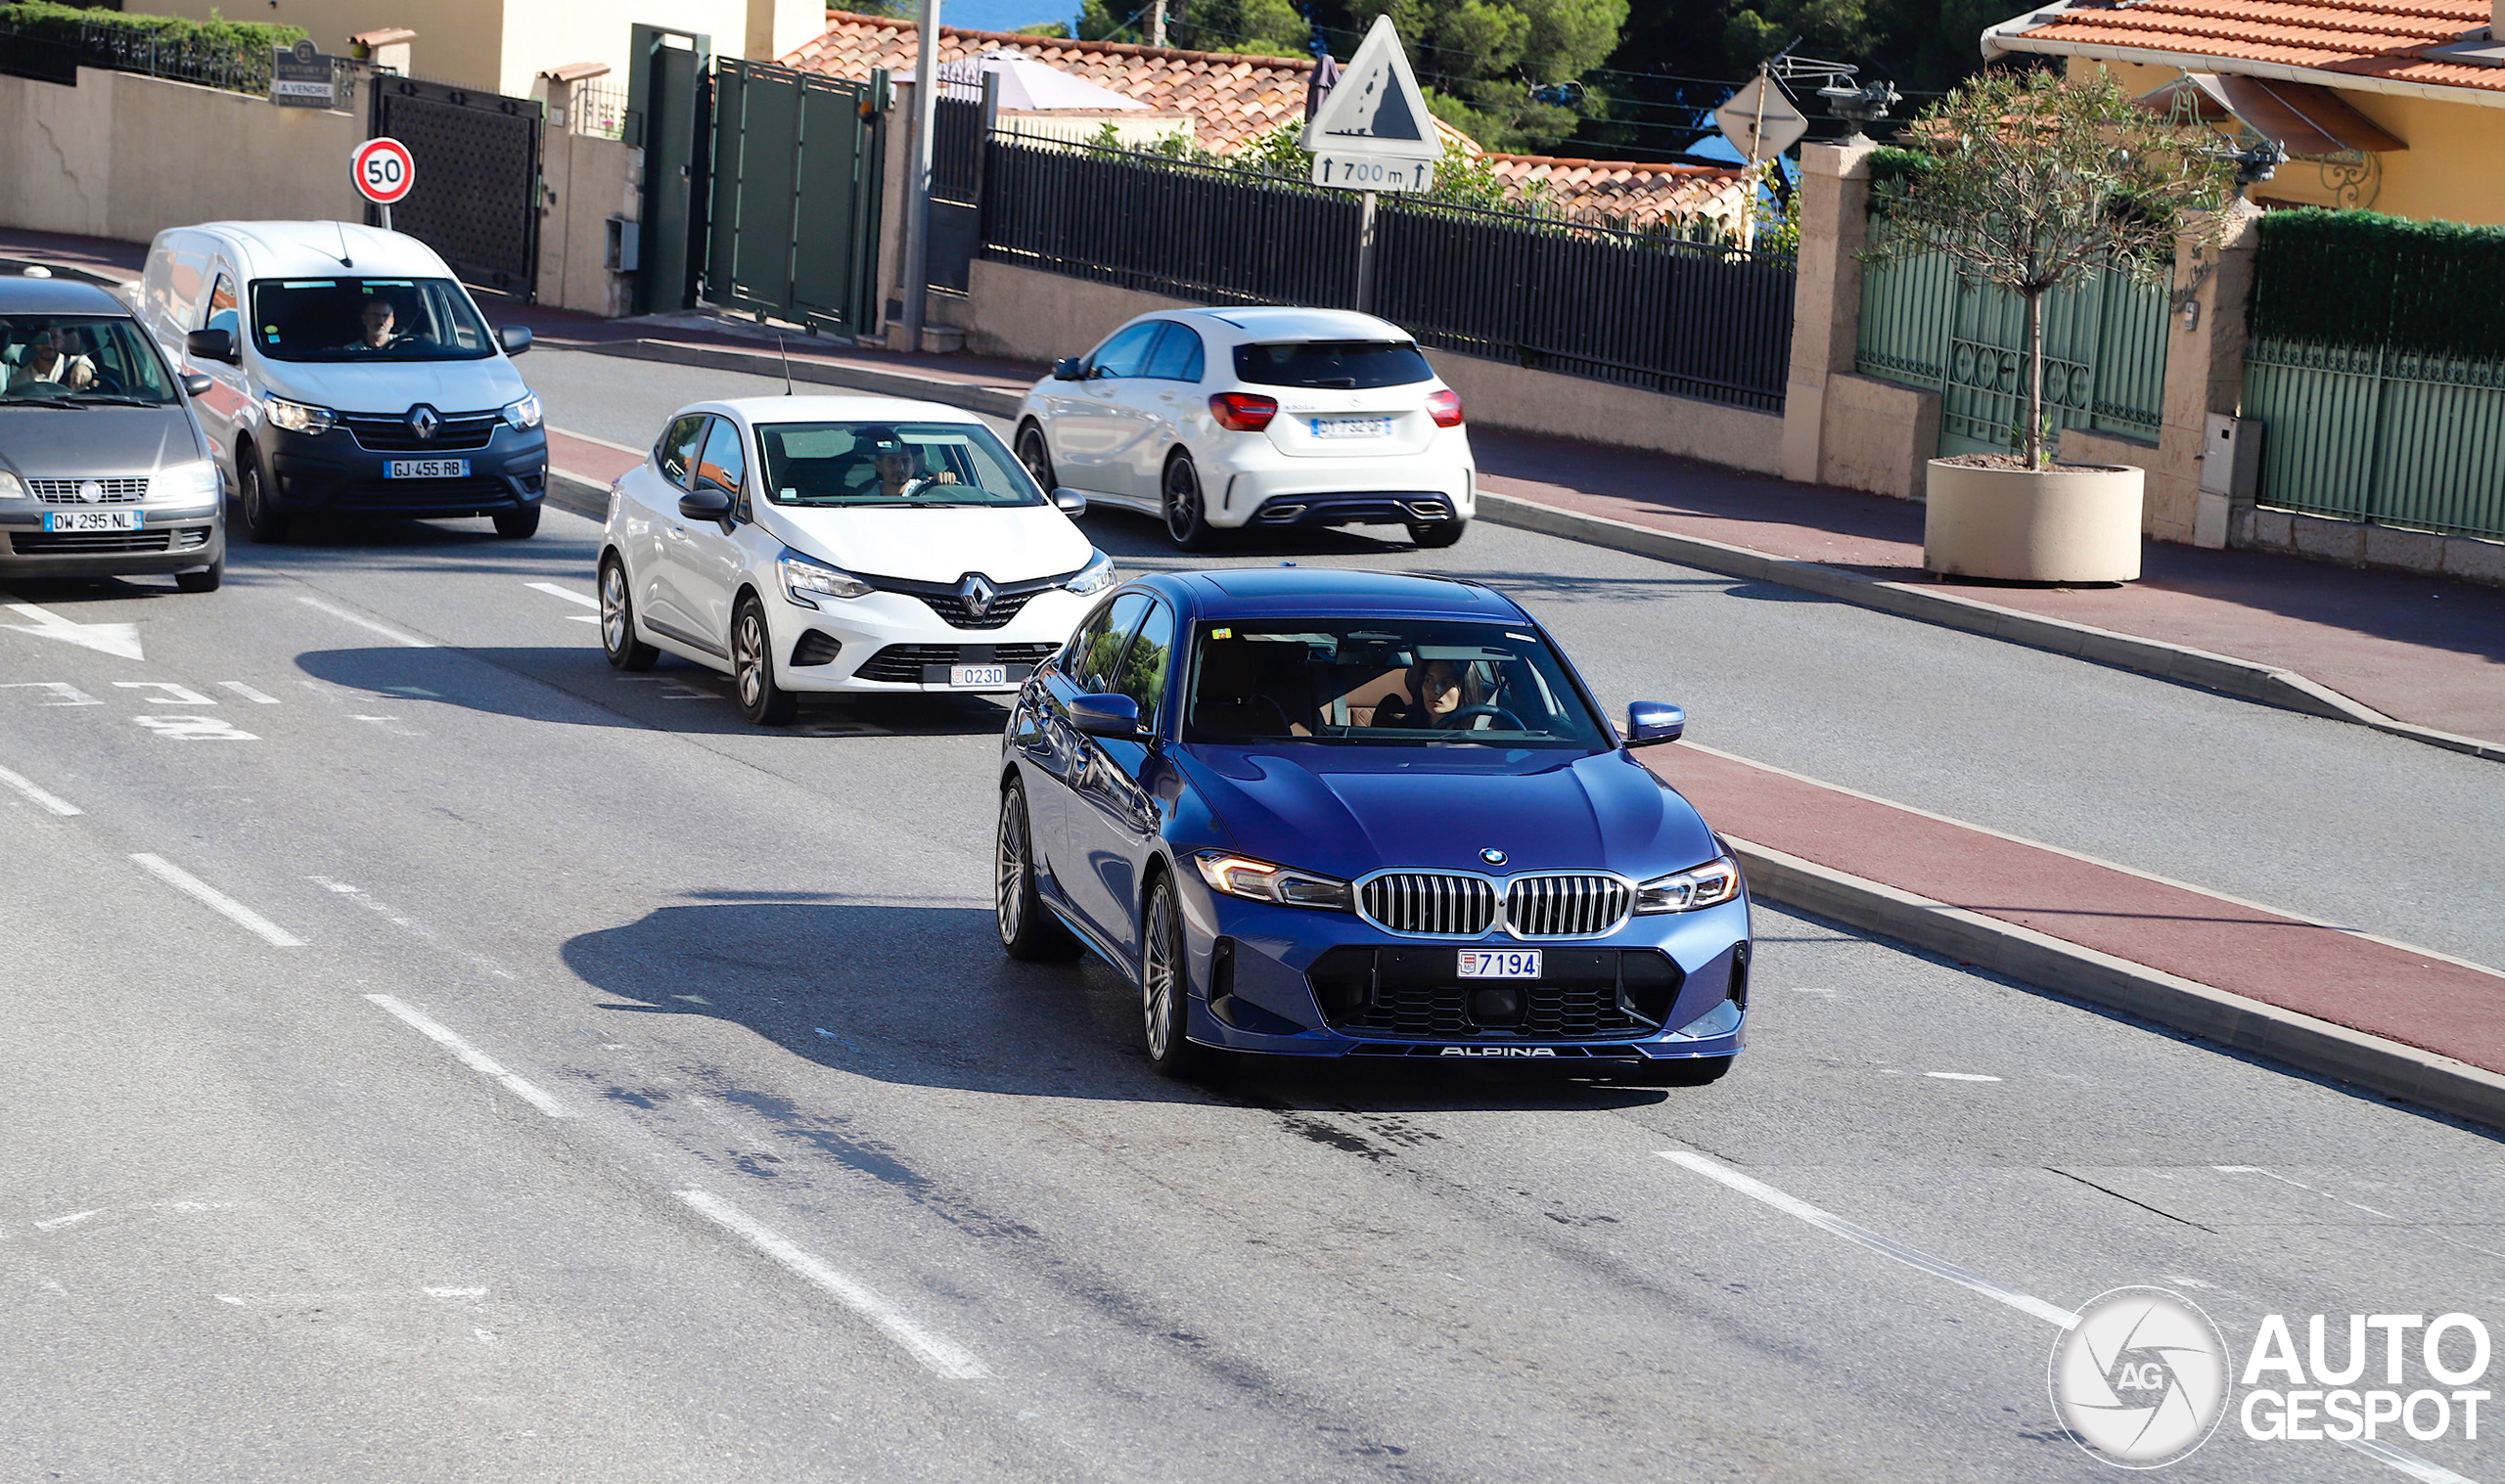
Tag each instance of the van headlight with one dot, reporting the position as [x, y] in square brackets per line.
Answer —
[1093, 577]
[1716, 881]
[804, 580]
[192, 483]
[10, 487]
[298, 416]
[524, 413]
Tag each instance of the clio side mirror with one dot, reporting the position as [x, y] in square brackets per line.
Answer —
[1070, 502]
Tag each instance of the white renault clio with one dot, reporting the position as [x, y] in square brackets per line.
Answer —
[841, 544]
[1223, 419]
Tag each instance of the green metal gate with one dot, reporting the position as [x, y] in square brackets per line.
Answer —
[1926, 324]
[2367, 433]
[795, 195]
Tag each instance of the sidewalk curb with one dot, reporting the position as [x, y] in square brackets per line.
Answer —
[2300, 1041]
[2243, 678]
[575, 493]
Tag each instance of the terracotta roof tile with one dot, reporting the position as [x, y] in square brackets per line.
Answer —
[1235, 99]
[2359, 38]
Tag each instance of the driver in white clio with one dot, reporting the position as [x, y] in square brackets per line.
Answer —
[900, 467]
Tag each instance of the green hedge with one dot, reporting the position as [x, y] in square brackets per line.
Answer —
[2357, 278]
[67, 23]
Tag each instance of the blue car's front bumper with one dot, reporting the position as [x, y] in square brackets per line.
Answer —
[1292, 982]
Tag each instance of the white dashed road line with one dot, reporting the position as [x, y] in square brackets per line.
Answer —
[363, 622]
[217, 901]
[248, 692]
[570, 596]
[476, 1060]
[1792, 1206]
[39, 796]
[942, 1355]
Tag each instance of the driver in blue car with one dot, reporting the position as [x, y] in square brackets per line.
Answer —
[1437, 688]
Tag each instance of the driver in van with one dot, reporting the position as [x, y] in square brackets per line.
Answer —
[376, 332]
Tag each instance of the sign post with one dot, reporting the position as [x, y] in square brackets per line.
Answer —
[384, 173]
[1373, 133]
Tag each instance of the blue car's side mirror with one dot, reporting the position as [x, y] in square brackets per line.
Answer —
[1650, 722]
[1105, 715]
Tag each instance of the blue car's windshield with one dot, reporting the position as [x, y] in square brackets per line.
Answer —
[1402, 682]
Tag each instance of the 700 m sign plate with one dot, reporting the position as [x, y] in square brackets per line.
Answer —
[1373, 172]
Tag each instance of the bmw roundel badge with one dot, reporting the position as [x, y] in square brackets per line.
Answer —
[1493, 856]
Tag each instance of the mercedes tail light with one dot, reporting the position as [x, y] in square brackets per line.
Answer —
[1243, 410]
[1445, 408]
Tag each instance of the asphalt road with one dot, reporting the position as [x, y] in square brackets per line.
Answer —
[434, 1055]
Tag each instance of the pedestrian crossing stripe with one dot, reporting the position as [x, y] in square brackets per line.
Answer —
[1377, 107]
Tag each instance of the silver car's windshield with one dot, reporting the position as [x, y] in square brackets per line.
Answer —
[367, 319]
[83, 359]
[890, 463]
[1384, 681]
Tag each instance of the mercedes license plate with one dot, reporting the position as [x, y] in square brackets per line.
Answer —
[1352, 427]
[1500, 963]
[978, 675]
[425, 469]
[93, 520]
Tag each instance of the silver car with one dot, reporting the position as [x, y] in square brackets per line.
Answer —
[104, 470]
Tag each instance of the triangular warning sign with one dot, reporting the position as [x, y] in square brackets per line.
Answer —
[1375, 107]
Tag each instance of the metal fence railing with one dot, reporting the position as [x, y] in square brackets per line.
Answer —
[1192, 231]
[56, 57]
[1638, 309]
[598, 111]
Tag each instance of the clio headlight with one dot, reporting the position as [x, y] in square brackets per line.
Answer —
[1716, 881]
[805, 580]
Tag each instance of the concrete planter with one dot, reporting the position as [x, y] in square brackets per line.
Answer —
[2073, 522]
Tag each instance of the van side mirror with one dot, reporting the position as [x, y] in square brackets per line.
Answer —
[210, 345]
[515, 339]
[1070, 502]
[1070, 368]
[707, 503]
[194, 384]
[1105, 715]
[1653, 722]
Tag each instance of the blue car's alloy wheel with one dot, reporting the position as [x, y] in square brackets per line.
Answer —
[1027, 931]
[1165, 994]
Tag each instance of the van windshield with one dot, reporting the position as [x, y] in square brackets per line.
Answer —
[367, 319]
[85, 358]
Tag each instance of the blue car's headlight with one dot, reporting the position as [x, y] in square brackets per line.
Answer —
[1241, 876]
[1716, 881]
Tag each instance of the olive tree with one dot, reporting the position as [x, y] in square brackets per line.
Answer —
[2031, 182]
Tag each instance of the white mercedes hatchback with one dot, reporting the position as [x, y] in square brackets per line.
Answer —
[1217, 419]
[841, 544]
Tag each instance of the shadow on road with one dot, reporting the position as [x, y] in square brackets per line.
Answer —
[922, 995]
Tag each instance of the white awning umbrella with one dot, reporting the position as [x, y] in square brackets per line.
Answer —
[1029, 84]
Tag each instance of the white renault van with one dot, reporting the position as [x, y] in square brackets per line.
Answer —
[350, 373]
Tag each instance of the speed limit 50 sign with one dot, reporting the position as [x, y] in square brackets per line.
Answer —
[382, 169]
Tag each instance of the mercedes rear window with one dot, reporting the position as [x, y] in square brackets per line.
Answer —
[1331, 363]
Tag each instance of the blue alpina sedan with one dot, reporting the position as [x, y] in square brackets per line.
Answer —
[1353, 813]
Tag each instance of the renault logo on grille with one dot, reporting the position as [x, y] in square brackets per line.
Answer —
[424, 421]
[977, 593]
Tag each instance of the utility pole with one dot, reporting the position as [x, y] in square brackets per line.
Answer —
[1156, 23]
[916, 180]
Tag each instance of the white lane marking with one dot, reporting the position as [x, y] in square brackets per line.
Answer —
[171, 695]
[1961, 1076]
[121, 639]
[397, 918]
[71, 1220]
[248, 692]
[52, 801]
[940, 1355]
[2382, 1453]
[71, 696]
[2426, 1228]
[566, 593]
[456, 1293]
[191, 728]
[1792, 1205]
[363, 622]
[476, 1060]
[584, 618]
[217, 901]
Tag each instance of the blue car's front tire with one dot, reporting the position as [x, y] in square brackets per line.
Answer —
[1029, 930]
[1166, 989]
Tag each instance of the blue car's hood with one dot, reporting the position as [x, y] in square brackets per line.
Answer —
[1346, 811]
